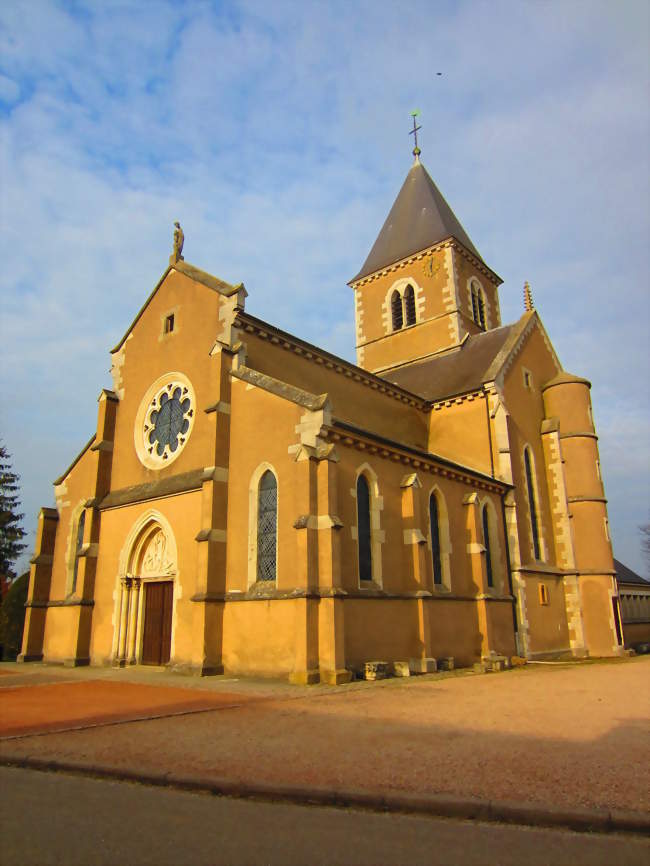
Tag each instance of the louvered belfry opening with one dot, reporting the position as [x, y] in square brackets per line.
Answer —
[481, 310]
[409, 304]
[396, 307]
[267, 527]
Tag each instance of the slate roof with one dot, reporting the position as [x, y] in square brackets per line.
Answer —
[626, 575]
[460, 370]
[419, 218]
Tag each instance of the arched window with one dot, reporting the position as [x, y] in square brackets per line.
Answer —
[409, 304]
[488, 548]
[478, 305]
[434, 520]
[267, 526]
[396, 307]
[81, 525]
[534, 525]
[363, 529]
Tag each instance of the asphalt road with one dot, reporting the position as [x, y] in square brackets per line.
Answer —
[50, 818]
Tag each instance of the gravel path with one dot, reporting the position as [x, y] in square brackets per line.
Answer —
[570, 735]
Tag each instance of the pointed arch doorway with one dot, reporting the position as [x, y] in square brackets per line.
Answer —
[157, 627]
[146, 599]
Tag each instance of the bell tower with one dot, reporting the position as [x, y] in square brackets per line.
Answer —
[424, 286]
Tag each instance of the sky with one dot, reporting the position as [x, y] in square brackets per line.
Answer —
[277, 134]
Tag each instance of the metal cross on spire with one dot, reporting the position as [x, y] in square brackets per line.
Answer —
[414, 133]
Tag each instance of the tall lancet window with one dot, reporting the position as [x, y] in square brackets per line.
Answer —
[363, 529]
[409, 304]
[396, 308]
[488, 547]
[267, 527]
[434, 520]
[81, 525]
[534, 519]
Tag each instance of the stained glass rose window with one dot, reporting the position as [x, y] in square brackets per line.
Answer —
[168, 420]
[164, 420]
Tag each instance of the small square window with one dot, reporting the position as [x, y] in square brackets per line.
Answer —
[169, 323]
[543, 593]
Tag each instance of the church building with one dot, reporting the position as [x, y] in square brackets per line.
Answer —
[252, 504]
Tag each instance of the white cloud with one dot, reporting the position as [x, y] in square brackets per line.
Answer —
[277, 134]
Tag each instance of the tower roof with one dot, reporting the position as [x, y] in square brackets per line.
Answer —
[419, 218]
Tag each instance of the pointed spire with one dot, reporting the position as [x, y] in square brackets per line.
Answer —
[528, 298]
[419, 218]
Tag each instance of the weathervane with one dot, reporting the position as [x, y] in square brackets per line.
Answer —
[414, 133]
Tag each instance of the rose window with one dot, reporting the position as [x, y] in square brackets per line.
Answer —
[165, 421]
[168, 424]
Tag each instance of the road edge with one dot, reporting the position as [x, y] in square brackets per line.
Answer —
[436, 805]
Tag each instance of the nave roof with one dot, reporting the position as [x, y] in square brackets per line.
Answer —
[465, 368]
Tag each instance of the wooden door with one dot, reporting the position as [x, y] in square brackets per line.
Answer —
[157, 637]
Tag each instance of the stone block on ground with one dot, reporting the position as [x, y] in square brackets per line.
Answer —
[423, 666]
[375, 670]
[495, 662]
[401, 669]
[446, 664]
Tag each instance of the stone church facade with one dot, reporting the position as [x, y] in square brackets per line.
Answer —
[252, 504]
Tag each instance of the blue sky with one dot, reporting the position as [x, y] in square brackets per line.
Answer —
[277, 133]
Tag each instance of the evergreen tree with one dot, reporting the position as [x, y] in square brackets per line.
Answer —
[11, 530]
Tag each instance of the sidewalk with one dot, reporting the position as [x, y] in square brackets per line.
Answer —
[549, 744]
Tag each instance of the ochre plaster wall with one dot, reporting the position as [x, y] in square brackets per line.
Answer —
[580, 466]
[415, 341]
[378, 346]
[183, 514]
[526, 411]
[263, 426]
[147, 354]
[465, 271]
[260, 636]
[595, 592]
[385, 629]
[351, 401]
[71, 495]
[61, 629]
[432, 279]
[501, 628]
[460, 432]
[547, 623]
[454, 630]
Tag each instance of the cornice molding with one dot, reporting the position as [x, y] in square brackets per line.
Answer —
[423, 461]
[293, 344]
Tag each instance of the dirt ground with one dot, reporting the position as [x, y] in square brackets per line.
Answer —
[562, 735]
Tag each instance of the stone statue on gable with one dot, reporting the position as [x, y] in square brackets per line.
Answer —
[179, 240]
